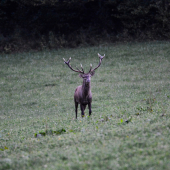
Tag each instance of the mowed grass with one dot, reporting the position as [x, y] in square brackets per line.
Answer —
[130, 123]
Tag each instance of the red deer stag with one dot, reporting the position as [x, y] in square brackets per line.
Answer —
[83, 95]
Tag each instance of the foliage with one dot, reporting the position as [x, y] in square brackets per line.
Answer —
[53, 24]
[123, 132]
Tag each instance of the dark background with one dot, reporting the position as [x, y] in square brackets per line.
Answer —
[52, 24]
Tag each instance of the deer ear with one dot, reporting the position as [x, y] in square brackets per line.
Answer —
[81, 75]
[92, 73]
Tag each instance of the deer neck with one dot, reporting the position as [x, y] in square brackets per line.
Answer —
[86, 88]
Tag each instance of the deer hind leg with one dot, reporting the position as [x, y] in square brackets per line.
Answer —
[76, 106]
[90, 111]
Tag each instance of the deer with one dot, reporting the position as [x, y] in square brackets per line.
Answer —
[83, 95]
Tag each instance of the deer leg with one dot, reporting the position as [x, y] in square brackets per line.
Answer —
[90, 111]
[76, 106]
[82, 110]
[84, 107]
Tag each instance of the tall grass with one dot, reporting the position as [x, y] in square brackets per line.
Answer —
[130, 123]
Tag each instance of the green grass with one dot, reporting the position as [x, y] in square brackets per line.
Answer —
[130, 123]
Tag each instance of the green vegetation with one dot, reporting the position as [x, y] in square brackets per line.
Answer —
[130, 123]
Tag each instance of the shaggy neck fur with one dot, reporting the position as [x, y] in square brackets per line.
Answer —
[86, 88]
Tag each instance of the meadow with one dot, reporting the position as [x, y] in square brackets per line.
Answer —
[129, 128]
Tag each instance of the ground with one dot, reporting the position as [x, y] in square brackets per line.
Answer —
[130, 123]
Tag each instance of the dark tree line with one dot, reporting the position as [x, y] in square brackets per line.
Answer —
[40, 24]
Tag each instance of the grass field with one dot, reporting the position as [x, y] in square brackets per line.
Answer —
[130, 123]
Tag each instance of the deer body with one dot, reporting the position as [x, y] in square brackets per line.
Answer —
[83, 95]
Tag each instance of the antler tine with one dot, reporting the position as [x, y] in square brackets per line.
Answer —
[82, 68]
[100, 61]
[90, 68]
[101, 57]
[64, 60]
[78, 69]
[67, 62]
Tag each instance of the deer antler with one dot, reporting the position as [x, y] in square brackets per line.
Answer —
[78, 71]
[100, 61]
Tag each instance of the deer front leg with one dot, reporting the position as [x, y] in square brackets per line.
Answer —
[76, 106]
[90, 111]
[82, 110]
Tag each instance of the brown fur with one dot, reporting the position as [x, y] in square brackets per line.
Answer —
[83, 95]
